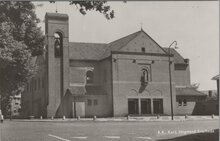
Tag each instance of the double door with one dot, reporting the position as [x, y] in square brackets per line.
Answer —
[144, 106]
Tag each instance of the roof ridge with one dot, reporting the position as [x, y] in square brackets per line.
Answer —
[153, 40]
[124, 37]
[130, 39]
[89, 43]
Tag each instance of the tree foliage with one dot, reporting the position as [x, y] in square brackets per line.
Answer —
[20, 41]
[99, 6]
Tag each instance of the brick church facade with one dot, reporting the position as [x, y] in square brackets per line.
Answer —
[129, 76]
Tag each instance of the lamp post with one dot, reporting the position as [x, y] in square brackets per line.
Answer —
[171, 95]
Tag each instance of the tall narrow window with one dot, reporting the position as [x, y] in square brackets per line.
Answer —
[35, 84]
[105, 76]
[184, 102]
[31, 85]
[142, 49]
[58, 45]
[39, 85]
[95, 102]
[180, 102]
[145, 76]
[89, 77]
[43, 82]
[27, 87]
[89, 102]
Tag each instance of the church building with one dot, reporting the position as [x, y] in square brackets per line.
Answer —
[129, 76]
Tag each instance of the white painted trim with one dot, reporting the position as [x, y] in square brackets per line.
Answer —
[145, 138]
[113, 137]
[82, 138]
[138, 82]
[77, 84]
[58, 137]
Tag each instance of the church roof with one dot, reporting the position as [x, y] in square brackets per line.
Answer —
[118, 44]
[188, 91]
[98, 51]
[86, 51]
[55, 15]
[178, 59]
[216, 77]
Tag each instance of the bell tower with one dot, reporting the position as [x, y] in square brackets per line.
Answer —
[57, 34]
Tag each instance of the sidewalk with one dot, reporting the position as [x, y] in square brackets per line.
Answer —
[148, 118]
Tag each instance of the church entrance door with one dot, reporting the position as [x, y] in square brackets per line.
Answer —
[132, 106]
[78, 109]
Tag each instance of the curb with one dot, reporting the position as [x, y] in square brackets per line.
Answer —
[123, 119]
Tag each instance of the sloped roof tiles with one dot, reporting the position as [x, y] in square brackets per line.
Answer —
[98, 51]
[188, 91]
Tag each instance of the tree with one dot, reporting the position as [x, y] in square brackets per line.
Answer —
[99, 6]
[20, 40]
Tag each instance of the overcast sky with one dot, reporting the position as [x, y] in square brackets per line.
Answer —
[194, 25]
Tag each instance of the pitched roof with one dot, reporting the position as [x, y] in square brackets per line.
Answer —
[216, 77]
[86, 51]
[55, 15]
[118, 44]
[80, 90]
[189, 91]
[178, 59]
[98, 51]
[88, 90]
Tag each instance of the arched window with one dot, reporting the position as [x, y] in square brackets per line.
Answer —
[145, 76]
[89, 77]
[58, 44]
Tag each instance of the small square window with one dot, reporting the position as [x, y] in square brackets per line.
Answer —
[142, 49]
[184, 102]
[95, 102]
[89, 102]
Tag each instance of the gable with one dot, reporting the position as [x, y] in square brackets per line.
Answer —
[142, 40]
[130, 43]
[178, 59]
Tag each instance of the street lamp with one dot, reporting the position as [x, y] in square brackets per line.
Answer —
[171, 95]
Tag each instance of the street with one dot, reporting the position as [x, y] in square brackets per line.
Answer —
[109, 131]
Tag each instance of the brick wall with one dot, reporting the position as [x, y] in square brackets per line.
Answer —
[126, 81]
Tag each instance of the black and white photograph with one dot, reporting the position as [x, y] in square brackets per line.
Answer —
[109, 70]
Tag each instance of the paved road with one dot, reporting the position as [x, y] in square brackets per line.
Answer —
[105, 131]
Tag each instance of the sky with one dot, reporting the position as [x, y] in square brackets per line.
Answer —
[193, 24]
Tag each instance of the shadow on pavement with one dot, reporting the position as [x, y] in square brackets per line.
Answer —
[207, 136]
